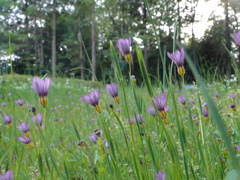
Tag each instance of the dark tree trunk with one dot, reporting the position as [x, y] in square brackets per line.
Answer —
[145, 42]
[54, 40]
[93, 37]
[228, 39]
[82, 61]
[179, 22]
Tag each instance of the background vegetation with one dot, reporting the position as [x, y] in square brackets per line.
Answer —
[55, 36]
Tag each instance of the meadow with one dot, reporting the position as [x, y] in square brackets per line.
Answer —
[121, 136]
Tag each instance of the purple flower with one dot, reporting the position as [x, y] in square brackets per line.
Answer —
[112, 89]
[237, 147]
[194, 116]
[26, 140]
[160, 176]
[151, 111]
[118, 110]
[131, 121]
[93, 137]
[237, 38]
[38, 119]
[8, 120]
[217, 95]
[160, 101]
[133, 79]
[41, 87]
[178, 59]
[182, 100]
[93, 99]
[191, 102]
[19, 102]
[232, 96]
[106, 144]
[124, 47]
[166, 109]
[166, 91]
[4, 104]
[205, 105]
[24, 127]
[233, 107]
[138, 118]
[205, 113]
[7, 175]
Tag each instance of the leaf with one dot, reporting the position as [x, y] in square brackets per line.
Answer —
[233, 175]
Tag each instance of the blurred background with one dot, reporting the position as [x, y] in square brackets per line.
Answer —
[70, 38]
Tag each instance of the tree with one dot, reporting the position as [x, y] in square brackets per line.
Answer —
[93, 39]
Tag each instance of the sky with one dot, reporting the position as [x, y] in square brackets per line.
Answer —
[203, 12]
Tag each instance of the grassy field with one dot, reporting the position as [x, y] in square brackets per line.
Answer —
[127, 130]
[185, 145]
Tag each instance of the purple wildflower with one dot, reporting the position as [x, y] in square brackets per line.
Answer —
[217, 95]
[237, 147]
[131, 121]
[106, 144]
[93, 137]
[4, 104]
[8, 120]
[151, 111]
[26, 140]
[191, 102]
[19, 102]
[194, 116]
[166, 109]
[112, 89]
[38, 119]
[233, 107]
[160, 176]
[7, 175]
[139, 119]
[93, 99]
[160, 103]
[197, 123]
[237, 38]
[233, 96]
[118, 110]
[124, 47]
[133, 79]
[182, 100]
[41, 87]
[178, 59]
[205, 105]
[205, 113]
[24, 127]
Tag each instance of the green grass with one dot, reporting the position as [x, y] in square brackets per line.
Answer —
[136, 151]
